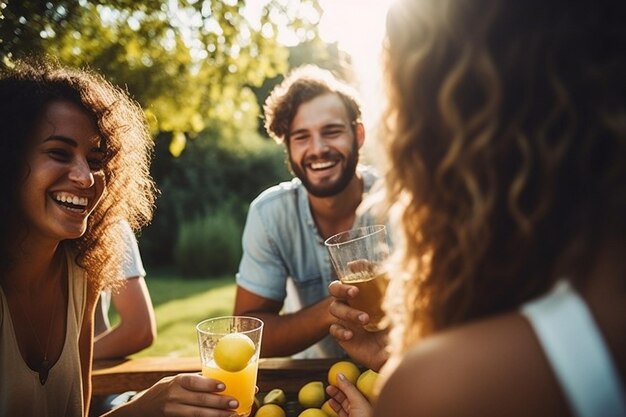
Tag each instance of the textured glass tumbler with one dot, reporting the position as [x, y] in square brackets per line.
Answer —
[358, 256]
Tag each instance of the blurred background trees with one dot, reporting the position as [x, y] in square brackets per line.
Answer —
[201, 70]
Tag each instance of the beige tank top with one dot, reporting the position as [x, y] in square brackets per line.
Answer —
[21, 393]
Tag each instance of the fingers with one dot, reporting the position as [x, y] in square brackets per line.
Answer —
[337, 399]
[342, 291]
[203, 392]
[347, 400]
[361, 265]
[340, 333]
[197, 382]
[348, 388]
[344, 312]
[183, 394]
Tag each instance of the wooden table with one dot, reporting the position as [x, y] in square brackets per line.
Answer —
[114, 376]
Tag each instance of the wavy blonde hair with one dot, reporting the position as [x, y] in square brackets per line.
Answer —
[506, 151]
[26, 88]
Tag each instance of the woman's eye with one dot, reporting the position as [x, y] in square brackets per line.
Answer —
[96, 164]
[59, 154]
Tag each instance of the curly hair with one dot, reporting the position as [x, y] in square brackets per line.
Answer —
[505, 139]
[302, 85]
[26, 89]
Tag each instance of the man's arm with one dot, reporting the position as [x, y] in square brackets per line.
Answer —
[137, 327]
[284, 335]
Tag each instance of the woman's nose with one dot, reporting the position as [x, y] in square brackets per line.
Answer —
[81, 174]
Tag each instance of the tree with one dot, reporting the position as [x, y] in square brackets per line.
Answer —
[189, 63]
[194, 66]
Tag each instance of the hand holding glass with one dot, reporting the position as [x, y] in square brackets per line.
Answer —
[230, 347]
[358, 256]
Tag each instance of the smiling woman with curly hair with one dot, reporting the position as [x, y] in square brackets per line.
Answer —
[75, 156]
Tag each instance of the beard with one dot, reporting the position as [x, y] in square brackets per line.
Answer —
[332, 188]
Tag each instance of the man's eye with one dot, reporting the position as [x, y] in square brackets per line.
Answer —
[333, 133]
[300, 137]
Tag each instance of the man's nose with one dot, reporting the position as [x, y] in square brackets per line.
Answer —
[318, 143]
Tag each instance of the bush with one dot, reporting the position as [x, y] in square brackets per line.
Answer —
[212, 174]
[209, 245]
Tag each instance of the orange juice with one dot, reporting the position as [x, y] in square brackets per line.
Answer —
[240, 385]
[372, 288]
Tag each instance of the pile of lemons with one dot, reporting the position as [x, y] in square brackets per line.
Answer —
[312, 396]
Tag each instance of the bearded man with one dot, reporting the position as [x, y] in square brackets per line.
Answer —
[285, 269]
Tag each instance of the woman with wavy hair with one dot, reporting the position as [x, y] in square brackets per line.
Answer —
[506, 145]
[75, 156]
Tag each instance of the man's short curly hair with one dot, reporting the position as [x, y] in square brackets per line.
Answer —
[301, 85]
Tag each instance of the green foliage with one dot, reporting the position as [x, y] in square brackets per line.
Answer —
[190, 64]
[213, 172]
[210, 244]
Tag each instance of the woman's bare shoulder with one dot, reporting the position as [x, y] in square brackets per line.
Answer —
[490, 367]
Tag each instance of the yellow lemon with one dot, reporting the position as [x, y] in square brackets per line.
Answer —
[329, 410]
[275, 396]
[347, 368]
[233, 352]
[270, 410]
[366, 383]
[312, 412]
[312, 395]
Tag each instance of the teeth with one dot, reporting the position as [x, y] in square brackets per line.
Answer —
[72, 199]
[322, 165]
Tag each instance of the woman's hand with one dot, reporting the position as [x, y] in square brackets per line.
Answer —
[180, 395]
[346, 399]
[367, 348]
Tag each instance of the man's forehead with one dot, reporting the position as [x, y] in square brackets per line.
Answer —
[320, 111]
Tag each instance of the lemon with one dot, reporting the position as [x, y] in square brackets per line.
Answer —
[233, 352]
[312, 395]
[312, 412]
[328, 409]
[347, 368]
[270, 410]
[275, 396]
[366, 383]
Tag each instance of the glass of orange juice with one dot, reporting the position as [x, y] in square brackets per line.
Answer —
[358, 256]
[230, 347]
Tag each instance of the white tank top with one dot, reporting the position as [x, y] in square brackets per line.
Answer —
[577, 353]
[21, 393]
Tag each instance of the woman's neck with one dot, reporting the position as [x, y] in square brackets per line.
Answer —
[33, 265]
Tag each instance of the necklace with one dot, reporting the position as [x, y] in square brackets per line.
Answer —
[44, 367]
[55, 273]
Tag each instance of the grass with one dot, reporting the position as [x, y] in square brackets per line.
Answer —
[179, 304]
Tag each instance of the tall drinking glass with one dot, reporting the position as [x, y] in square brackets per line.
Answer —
[230, 347]
[358, 256]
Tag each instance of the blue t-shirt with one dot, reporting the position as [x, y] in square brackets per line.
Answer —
[284, 257]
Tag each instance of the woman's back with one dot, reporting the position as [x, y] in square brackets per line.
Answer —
[500, 366]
